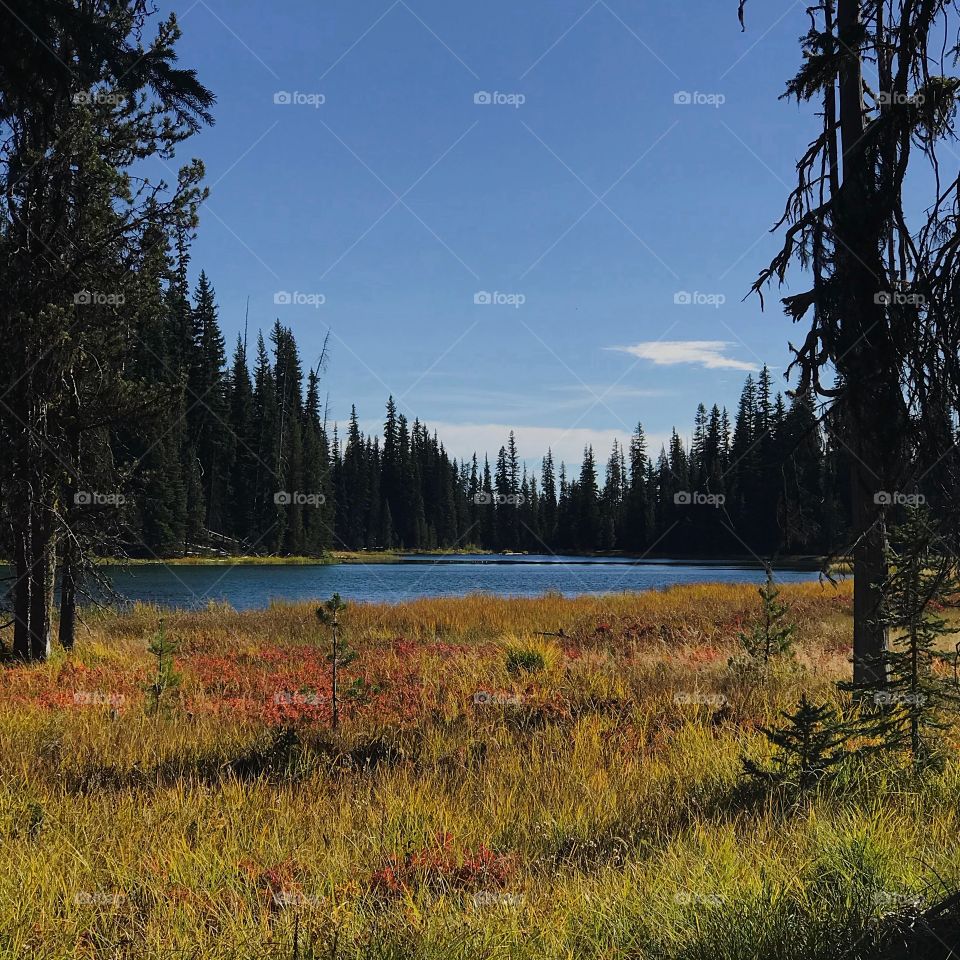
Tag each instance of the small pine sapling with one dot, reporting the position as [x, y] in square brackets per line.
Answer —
[340, 656]
[809, 746]
[166, 679]
[771, 632]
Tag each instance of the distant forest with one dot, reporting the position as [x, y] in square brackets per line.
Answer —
[244, 461]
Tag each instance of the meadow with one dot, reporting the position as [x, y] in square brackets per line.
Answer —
[490, 791]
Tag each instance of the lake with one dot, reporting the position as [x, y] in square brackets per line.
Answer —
[253, 586]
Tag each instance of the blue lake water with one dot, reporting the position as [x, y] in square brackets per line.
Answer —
[253, 586]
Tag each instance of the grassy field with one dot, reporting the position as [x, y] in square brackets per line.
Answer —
[490, 793]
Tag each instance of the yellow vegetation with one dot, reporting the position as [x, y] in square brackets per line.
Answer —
[470, 806]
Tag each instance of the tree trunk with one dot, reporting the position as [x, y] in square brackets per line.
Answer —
[68, 596]
[33, 585]
[70, 572]
[870, 636]
[872, 416]
[41, 590]
[21, 593]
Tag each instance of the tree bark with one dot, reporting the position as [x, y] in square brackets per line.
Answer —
[68, 597]
[33, 584]
[41, 590]
[870, 636]
[872, 408]
[21, 593]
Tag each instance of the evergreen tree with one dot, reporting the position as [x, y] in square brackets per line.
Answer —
[266, 426]
[207, 412]
[639, 522]
[548, 502]
[588, 527]
[318, 521]
[922, 577]
[243, 472]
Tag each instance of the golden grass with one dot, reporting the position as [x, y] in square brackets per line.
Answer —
[465, 809]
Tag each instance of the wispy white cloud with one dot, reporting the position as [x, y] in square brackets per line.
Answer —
[710, 354]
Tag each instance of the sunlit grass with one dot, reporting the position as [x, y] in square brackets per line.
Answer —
[475, 803]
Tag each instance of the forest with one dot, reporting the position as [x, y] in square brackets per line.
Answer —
[250, 463]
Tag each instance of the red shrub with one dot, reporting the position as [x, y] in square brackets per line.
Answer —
[440, 867]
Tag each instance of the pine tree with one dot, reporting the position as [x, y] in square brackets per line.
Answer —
[207, 413]
[148, 449]
[800, 453]
[391, 478]
[264, 535]
[611, 501]
[639, 510]
[353, 494]
[698, 449]
[771, 633]
[488, 521]
[243, 472]
[922, 576]
[810, 745]
[588, 528]
[317, 522]
[548, 506]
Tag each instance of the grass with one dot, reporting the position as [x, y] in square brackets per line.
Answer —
[491, 792]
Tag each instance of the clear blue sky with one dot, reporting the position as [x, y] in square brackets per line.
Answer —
[597, 199]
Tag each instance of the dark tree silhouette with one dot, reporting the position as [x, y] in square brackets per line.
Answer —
[882, 328]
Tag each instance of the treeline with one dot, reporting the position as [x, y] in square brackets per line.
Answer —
[245, 461]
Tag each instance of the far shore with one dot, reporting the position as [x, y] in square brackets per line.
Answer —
[808, 562]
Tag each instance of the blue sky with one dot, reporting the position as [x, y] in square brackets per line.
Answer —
[578, 193]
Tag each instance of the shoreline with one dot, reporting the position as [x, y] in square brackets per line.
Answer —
[801, 562]
[838, 567]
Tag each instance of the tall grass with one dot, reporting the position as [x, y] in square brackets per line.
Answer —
[467, 808]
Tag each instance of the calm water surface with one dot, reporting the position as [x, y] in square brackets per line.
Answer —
[253, 586]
